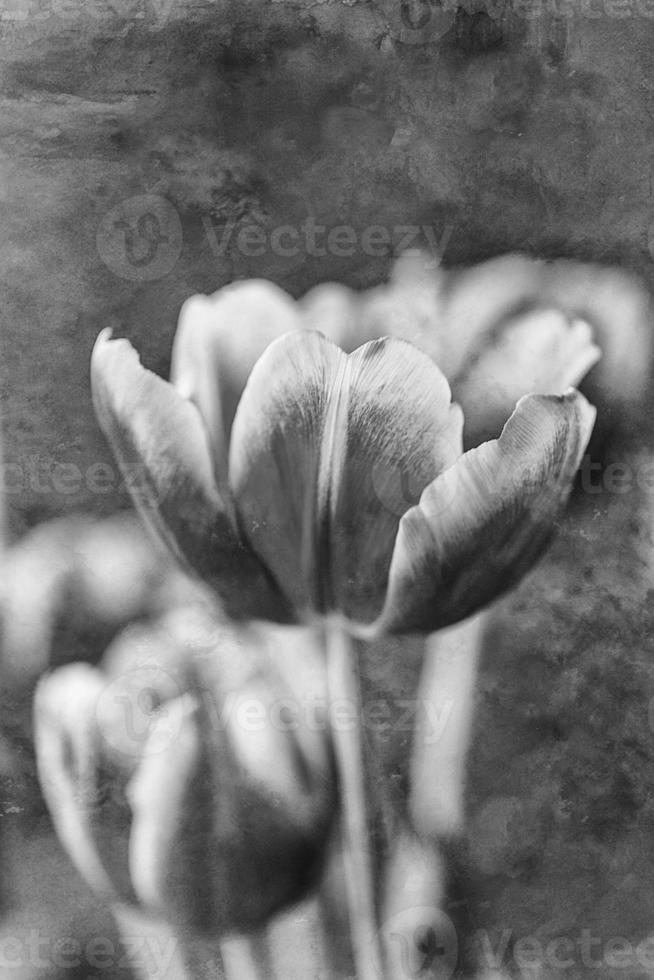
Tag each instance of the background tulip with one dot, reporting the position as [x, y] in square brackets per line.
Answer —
[168, 794]
[506, 327]
[66, 589]
[72, 584]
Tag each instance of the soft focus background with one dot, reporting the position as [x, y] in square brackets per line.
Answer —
[138, 138]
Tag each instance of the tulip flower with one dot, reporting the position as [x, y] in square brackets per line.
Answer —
[174, 780]
[277, 465]
[307, 460]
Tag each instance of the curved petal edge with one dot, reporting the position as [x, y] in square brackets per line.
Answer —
[162, 449]
[482, 524]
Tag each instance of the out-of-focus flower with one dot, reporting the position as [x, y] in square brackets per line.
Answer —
[504, 328]
[70, 584]
[67, 588]
[186, 776]
[300, 480]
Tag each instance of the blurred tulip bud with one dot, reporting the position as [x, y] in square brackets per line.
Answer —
[184, 776]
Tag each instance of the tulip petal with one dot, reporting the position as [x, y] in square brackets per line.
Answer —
[231, 818]
[275, 457]
[481, 525]
[328, 451]
[400, 431]
[619, 309]
[218, 341]
[476, 303]
[82, 787]
[162, 450]
[208, 849]
[542, 352]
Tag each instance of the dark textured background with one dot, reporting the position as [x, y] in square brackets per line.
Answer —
[498, 131]
[504, 133]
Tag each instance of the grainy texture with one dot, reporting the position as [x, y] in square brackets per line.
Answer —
[502, 133]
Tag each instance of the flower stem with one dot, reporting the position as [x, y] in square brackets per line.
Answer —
[343, 685]
[447, 685]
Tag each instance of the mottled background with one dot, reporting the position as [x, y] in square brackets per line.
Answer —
[136, 136]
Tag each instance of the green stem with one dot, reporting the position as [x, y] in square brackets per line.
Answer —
[343, 685]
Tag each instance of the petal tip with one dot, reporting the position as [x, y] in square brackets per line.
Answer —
[104, 335]
[107, 346]
[571, 400]
[104, 338]
[586, 411]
